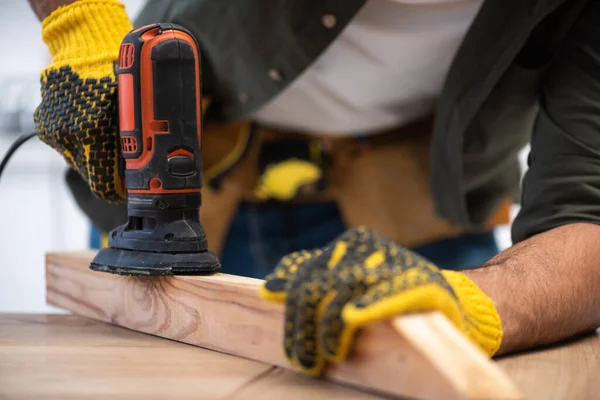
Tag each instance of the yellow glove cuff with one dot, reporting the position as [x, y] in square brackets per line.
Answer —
[482, 322]
[86, 35]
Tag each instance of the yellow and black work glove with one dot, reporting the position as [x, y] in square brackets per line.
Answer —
[78, 113]
[362, 278]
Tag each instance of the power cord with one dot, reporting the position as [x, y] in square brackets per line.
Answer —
[13, 147]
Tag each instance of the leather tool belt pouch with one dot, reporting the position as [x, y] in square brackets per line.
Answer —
[381, 181]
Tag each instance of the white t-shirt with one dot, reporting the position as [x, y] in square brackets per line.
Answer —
[386, 68]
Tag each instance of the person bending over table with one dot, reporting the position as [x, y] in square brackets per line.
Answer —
[366, 150]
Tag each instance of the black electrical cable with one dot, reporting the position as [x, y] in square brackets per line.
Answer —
[13, 147]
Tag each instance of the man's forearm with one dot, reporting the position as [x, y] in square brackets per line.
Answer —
[546, 288]
[43, 8]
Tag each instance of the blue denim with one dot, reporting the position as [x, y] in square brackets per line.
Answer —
[95, 238]
[263, 233]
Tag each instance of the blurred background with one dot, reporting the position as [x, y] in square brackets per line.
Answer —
[37, 213]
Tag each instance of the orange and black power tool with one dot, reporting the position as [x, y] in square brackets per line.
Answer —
[160, 122]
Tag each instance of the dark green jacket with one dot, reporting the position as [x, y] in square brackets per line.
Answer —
[527, 71]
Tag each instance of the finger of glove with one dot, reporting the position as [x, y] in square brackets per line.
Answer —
[366, 248]
[335, 336]
[354, 245]
[359, 242]
[360, 248]
[100, 140]
[415, 290]
[403, 258]
[306, 291]
[276, 282]
[362, 243]
[79, 118]
[52, 121]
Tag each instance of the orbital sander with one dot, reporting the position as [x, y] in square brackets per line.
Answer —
[160, 121]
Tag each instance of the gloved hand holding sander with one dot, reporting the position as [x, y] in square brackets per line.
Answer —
[78, 115]
[141, 141]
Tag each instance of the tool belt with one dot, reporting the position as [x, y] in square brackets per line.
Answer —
[380, 181]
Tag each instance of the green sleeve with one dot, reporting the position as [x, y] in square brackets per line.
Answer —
[161, 11]
[562, 185]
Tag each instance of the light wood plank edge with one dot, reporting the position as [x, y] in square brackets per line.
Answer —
[429, 359]
[451, 353]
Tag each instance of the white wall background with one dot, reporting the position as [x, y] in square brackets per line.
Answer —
[37, 213]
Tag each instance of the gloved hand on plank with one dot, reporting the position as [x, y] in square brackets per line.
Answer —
[361, 278]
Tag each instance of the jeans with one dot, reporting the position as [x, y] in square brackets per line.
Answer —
[263, 233]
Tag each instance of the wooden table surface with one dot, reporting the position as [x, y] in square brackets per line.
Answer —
[70, 357]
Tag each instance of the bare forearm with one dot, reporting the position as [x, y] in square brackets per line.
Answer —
[546, 288]
[43, 8]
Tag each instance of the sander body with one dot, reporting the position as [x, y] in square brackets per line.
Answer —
[160, 120]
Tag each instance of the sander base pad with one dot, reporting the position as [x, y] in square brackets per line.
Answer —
[146, 263]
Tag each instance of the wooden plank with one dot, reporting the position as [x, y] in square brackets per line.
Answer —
[225, 313]
[439, 342]
[68, 357]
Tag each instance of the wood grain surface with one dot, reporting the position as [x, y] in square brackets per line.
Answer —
[568, 371]
[278, 383]
[420, 356]
[69, 357]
